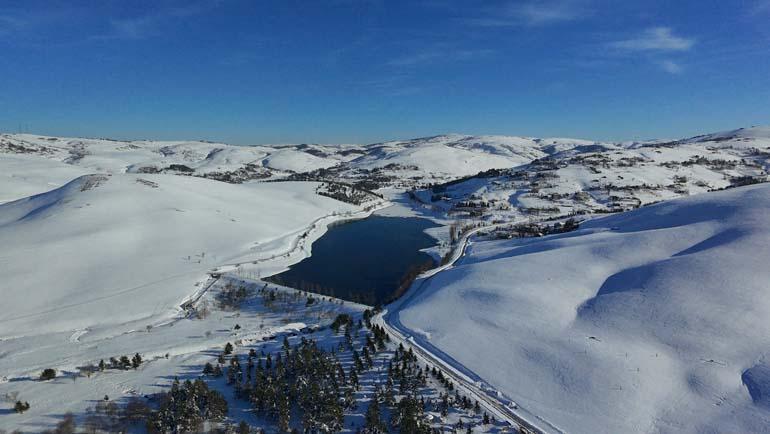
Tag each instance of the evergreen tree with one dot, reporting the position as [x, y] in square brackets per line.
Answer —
[228, 348]
[186, 406]
[373, 421]
[284, 412]
[408, 416]
[136, 361]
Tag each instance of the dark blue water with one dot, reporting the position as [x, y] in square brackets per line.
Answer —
[364, 260]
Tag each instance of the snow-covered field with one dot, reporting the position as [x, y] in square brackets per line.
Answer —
[648, 321]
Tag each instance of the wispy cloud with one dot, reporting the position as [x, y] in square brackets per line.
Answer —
[655, 39]
[75, 23]
[532, 13]
[439, 55]
[151, 24]
[671, 67]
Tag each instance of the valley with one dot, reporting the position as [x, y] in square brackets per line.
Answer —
[545, 279]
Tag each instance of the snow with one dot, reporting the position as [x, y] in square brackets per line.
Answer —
[457, 155]
[113, 249]
[296, 161]
[21, 176]
[651, 320]
[178, 348]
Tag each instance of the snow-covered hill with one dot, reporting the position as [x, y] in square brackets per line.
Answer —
[116, 249]
[653, 320]
[587, 179]
[405, 163]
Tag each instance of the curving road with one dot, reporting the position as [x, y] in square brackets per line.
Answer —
[500, 406]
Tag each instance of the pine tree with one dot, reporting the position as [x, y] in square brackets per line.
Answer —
[136, 361]
[208, 369]
[228, 348]
[101, 365]
[284, 412]
[486, 418]
[373, 421]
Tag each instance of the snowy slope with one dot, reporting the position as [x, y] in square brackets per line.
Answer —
[650, 321]
[111, 249]
[22, 176]
[609, 177]
[458, 155]
[403, 163]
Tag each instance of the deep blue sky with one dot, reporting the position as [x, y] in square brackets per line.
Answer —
[364, 71]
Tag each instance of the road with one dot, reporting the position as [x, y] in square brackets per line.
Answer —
[500, 406]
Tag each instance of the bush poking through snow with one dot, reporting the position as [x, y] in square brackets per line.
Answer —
[21, 407]
[48, 374]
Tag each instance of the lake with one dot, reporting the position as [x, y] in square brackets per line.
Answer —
[363, 260]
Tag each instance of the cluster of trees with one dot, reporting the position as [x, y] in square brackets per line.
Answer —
[124, 363]
[271, 296]
[342, 320]
[303, 384]
[242, 174]
[302, 380]
[407, 414]
[526, 230]
[108, 416]
[231, 296]
[186, 407]
[409, 277]
[305, 287]
[345, 193]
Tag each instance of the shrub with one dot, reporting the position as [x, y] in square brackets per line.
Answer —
[48, 374]
[21, 407]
